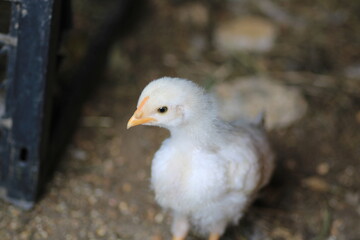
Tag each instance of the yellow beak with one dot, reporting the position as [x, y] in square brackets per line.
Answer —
[137, 117]
[133, 121]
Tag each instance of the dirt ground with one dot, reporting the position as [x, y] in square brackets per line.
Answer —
[101, 190]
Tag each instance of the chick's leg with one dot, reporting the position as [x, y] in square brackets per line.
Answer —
[217, 229]
[180, 226]
[178, 238]
[214, 236]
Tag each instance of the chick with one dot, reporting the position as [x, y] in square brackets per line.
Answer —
[208, 171]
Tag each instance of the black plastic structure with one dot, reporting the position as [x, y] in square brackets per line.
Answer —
[30, 48]
[41, 111]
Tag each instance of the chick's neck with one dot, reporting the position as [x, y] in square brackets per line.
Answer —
[199, 132]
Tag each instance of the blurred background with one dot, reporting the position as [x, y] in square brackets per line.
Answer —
[298, 60]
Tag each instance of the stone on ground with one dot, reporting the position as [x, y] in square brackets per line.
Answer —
[245, 34]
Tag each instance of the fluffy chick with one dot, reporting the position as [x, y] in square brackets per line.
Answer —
[208, 171]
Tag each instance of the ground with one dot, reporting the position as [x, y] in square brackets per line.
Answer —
[101, 189]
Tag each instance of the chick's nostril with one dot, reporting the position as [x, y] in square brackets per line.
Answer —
[138, 115]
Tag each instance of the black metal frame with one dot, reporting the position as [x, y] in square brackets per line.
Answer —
[37, 123]
[29, 47]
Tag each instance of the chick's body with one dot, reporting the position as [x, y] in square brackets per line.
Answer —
[211, 184]
[208, 170]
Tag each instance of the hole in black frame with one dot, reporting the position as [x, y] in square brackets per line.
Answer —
[23, 154]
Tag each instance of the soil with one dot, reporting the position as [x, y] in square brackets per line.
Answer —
[101, 190]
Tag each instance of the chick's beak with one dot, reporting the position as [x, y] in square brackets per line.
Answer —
[138, 116]
[137, 119]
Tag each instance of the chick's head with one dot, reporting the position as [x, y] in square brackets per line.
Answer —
[171, 102]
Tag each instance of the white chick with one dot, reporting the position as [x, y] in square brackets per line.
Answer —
[208, 171]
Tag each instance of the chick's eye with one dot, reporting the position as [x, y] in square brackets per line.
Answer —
[162, 109]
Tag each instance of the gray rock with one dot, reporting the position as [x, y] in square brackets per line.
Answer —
[353, 71]
[247, 97]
